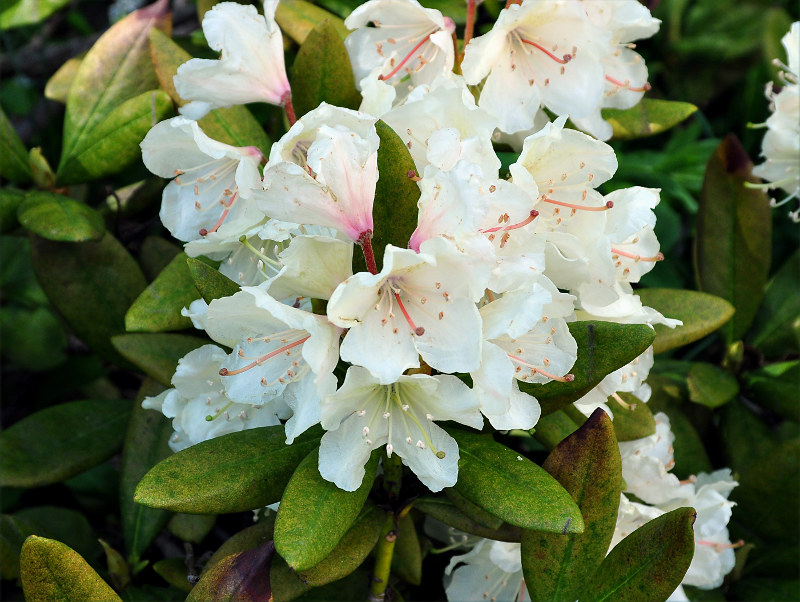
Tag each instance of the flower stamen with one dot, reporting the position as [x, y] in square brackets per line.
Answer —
[563, 61]
[524, 222]
[262, 359]
[417, 330]
[394, 71]
[656, 257]
[606, 207]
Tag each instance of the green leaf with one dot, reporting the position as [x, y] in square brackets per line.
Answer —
[155, 255]
[531, 498]
[118, 572]
[61, 441]
[157, 355]
[306, 531]
[19, 13]
[58, 217]
[57, 87]
[445, 511]
[322, 72]
[238, 577]
[407, 558]
[246, 539]
[233, 473]
[210, 283]
[634, 421]
[734, 226]
[14, 164]
[553, 428]
[776, 328]
[588, 465]
[146, 444]
[297, 19]
[711, 386]
[70, 527]
[159, 306]
[394, 212]
[233, 125]
[52, 571]
[648, 118]
[116, 69]
[13, 532]
[32, 338]
[10, 200]
[192, 527]
[602, 348]
[174, 572]
[648, 564]
[700, 313]
[91, 284]
[775, 387]
[113, 144]
[473, 511]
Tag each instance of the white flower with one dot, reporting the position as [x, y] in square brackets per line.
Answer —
[198, 405]
[407, 41]
[492, 570]
[781, 146]
[628, 379]
[538, 53]
[365, 414]
[278, 352]
[212, 184]
[323, 172]
[250, 69]
[419, 304]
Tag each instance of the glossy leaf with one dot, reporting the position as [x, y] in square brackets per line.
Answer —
[146, 444]
[155, 255]
[473, 511]
[553, 428]
[157, 355]
[13, 532]
[58, 217]
[246, 539]
[700, 313]
[18, 13]
[634, 421]
[407, 558]
[235, 472]
[647, 118]
[776, 328]
[233, 125]
[531, 498]
[158, 308]
[298, 18]
[116, 69]
[191, 527]
[14, 158]
[306, 531]
[61, 441]
[395, 209]
[322, 72]
[210, 283]
[602, 348]
[57, 87]
[68, 526]
[734, 227]
[91, 284]
[52, 571]
[648, 564]
[445, 511]
[113, 144]
[775, 386]
[588, 465]
[174, 572]
[711, 386]
[118, 572]
[240, 577]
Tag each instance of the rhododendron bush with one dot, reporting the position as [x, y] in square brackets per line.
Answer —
[402, 301]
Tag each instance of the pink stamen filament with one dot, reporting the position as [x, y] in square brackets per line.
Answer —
[524, 222]
[720, 546]
[222, 217]
[563, 61]
[262, 359]
[417, 330]
[405, 60]
[567, 378]
[606, 207]
[658, 257]
[627, 85]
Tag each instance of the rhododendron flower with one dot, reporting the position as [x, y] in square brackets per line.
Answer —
[538, 53]
[250, 68]
[365, 414]
[212, 181]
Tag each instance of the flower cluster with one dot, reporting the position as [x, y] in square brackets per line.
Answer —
[485, 286]
[493, 569]
[781, 146]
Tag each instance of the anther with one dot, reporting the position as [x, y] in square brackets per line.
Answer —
[656, 257]
[417, 330]
[532, 216]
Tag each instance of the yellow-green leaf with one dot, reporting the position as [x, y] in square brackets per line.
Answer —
[297, 18]
[14, 158]
[647, 118]
[210, 283]
[57, 87]
[58, 217]
[158, 308]
[52, 571]
[711, 386]
[156, 354]
[18, 13]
